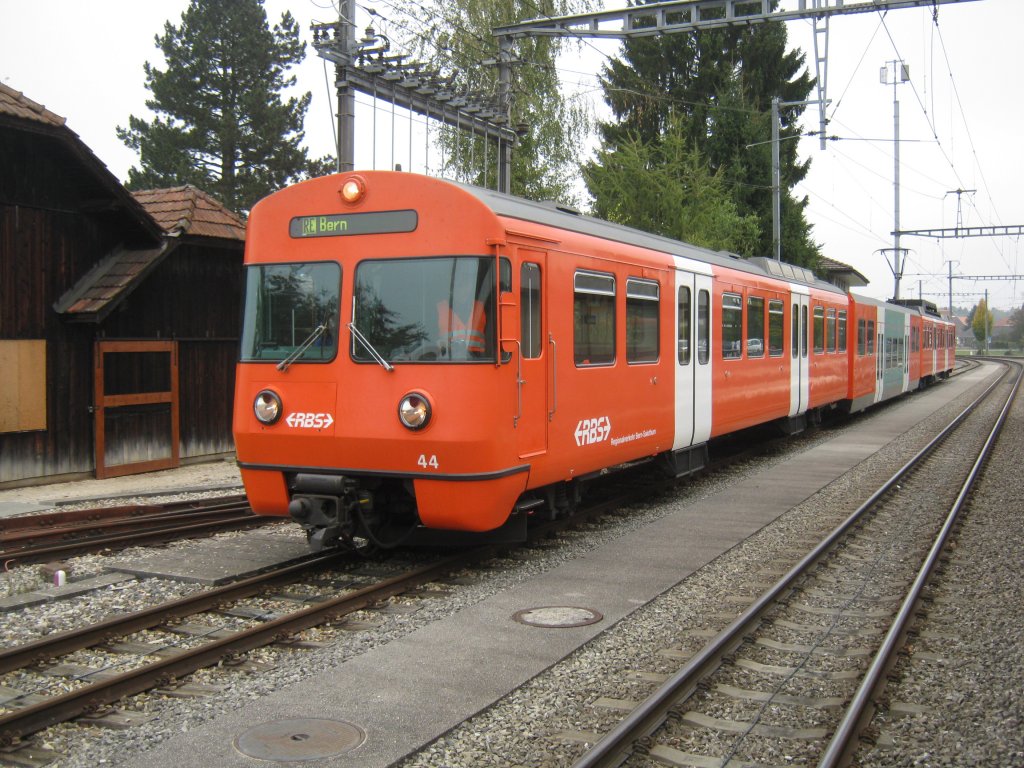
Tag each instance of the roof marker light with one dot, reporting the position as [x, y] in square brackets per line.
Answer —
[353, 189]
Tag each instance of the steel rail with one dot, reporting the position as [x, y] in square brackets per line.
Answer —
[24, 537]
[98, 693]
[150, 535]
[73, 640]
[85, 519]
[102, 692]
[860, 710]
[617, 745]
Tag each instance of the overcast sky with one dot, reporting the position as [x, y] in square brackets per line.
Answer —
[961, 119]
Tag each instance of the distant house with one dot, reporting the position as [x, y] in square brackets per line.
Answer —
[964, 332]
[842, 275]
[1002, 329]
[119, 313]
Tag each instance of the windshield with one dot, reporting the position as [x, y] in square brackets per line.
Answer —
[285, 307]
[418, 310]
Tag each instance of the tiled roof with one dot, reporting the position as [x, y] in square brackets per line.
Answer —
[82, 168]
[178, 211]
[853, 277]
[190, 211]
[103, 286]
[15, 104]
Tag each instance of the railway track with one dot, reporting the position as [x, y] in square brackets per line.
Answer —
[824, 634]
[110, 640]
[42, 537]
[223, 624]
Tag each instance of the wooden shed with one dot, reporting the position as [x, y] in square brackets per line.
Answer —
[119, 313]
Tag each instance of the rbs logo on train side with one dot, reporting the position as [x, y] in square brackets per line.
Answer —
[590, 431]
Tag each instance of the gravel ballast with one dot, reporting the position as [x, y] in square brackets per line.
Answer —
[534, 725]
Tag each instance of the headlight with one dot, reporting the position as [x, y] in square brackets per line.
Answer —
[267, 406]
[414, 411]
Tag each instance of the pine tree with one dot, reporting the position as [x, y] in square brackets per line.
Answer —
[712, 90]
[665, 187]
[221, 124]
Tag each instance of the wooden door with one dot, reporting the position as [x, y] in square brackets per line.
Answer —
[136, 407]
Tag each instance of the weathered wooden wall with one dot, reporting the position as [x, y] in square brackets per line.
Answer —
[193, 297]
[56, 221]
[46, 245]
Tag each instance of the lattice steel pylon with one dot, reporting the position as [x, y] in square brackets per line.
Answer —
[650, 19]
[361, 66]
[370, 66]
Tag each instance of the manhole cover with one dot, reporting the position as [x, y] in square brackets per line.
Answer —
[298, 740]
[558, 616]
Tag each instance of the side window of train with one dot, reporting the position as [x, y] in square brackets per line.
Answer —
[643, 310]
[871, 337]
[755, 326]
[504, 275]
[776, 327]
[819, 330]
[684, 325]
[703, 327]
[830, 330]
[732, 326]
[862, 325]
[841, 336]
[529, 309]
[594, 319]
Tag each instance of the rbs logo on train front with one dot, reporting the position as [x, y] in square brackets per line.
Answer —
[590, 431]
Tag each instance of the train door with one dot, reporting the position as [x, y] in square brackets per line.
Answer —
[906, 355]
[880, 354]
[800, 368]
[535, 354]
[692, 359]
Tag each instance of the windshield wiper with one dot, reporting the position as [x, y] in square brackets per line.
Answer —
[299, 350]
[369, 348]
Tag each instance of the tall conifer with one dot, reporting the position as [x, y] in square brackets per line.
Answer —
[711, 92]
[221, 122]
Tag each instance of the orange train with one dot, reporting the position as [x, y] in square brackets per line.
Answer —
[425, 361]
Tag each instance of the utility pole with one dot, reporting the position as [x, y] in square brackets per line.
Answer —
[777, 172]
[505, 58]
[950, 290]
[346, 41]
[900, 74]
[986, 321]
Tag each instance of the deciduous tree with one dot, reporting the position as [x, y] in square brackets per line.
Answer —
[457, 39]
[981, 320]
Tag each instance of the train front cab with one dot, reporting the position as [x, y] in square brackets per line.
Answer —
[362, 409]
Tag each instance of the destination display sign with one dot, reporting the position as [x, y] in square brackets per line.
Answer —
[342, 224]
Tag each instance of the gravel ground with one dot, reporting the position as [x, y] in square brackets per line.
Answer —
[976, 696]
[91, 493]
[531, 726]
[966, 667]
